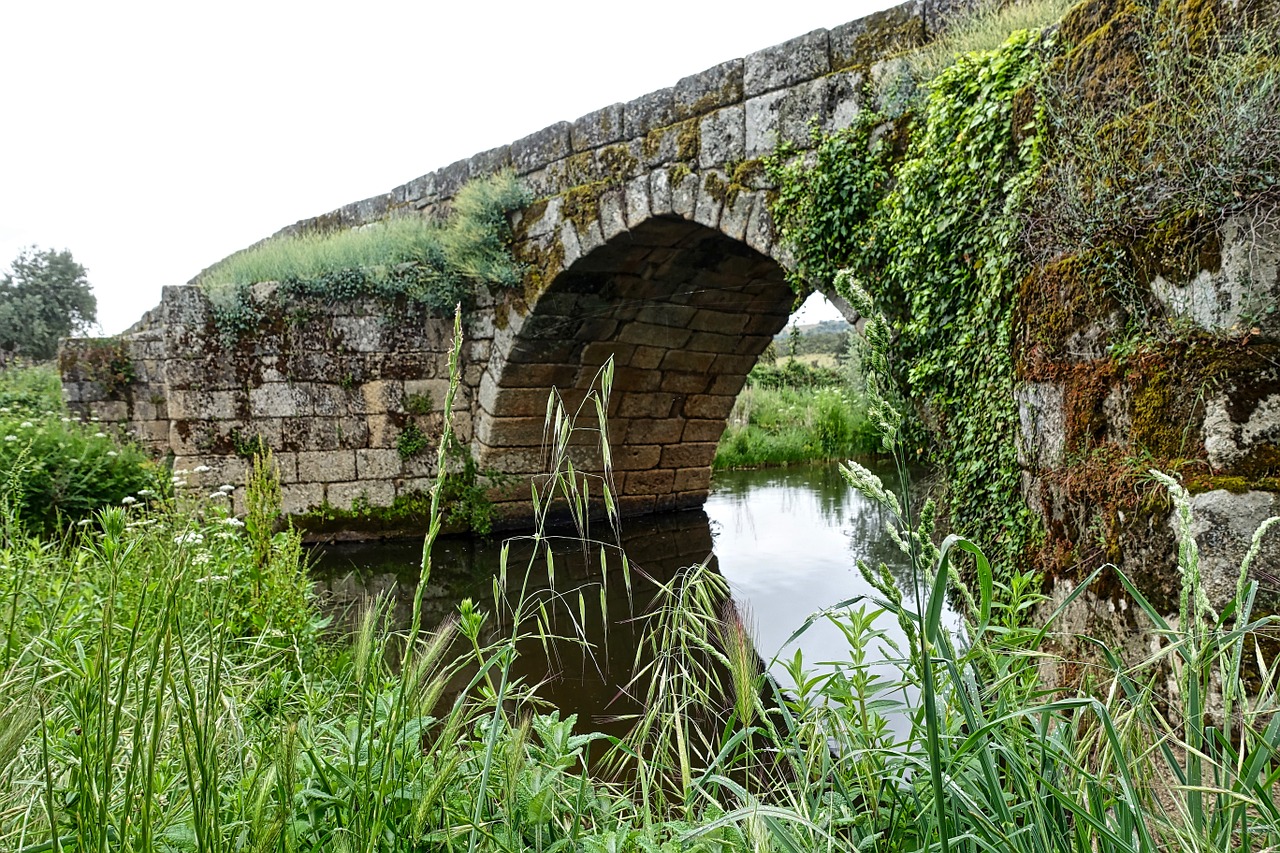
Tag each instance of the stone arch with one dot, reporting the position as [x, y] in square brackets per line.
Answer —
[684, 310]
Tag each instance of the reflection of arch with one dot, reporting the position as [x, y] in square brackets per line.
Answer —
[684, 310]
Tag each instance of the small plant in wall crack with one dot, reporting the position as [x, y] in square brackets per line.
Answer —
[412, 441]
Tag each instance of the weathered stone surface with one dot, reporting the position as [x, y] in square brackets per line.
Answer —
[1227, 441]
[802, 58]
[1042, 424]
[1223, 525]
[326, 467]
[723, 137]
[597, 128]
[716, 87]
[539, 149]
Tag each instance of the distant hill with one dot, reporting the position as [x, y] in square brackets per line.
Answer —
[829, 336]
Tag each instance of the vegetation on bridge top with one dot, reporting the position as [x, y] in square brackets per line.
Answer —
[435, 264]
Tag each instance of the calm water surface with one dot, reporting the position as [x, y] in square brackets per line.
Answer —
[786, 540]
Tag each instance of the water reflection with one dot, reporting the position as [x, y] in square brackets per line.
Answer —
[584, 664]
[786, 540]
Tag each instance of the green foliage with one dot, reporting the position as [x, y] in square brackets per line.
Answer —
[986, 27]
[418, 404]
[824, 211]
[1185, 121]
[786, 424]
[44, 296]
[412, 441]
[932, 236]
[430, 264]
[59, 469]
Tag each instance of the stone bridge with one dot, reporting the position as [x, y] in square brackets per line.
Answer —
[650, 242]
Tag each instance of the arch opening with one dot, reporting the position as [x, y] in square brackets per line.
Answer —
[684, 311]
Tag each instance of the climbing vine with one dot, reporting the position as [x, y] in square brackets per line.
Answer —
[924, 212]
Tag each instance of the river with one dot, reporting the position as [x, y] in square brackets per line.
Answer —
[786, 540]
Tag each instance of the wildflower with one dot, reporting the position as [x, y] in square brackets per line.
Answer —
[233, 522]
[225, 534]
[146, 493]
[210, 578]
[202, 469]
[66, 420]
[84, 522]
[112, 453]
[10, 437]
[191, 538]
[99, 435]
[27, 425]
[217, 496]
[201, 558]
[128, 499]
[226, 488]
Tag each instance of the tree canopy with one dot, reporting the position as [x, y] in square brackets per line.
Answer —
[44, 296]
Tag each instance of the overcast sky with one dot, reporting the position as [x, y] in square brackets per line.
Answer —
[152, 139]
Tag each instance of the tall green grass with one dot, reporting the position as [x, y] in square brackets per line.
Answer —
[432, 263]
[785, 425]
[166, 684]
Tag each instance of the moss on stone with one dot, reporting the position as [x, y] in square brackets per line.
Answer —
[618, 162]
[889, 33]
[688, 139]
[581, 205]
[1177, 249]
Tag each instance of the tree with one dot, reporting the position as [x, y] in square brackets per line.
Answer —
[44, 296]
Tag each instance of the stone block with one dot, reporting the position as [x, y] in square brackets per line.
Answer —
[688, 455]
[730, 384]
[666, 337]
[633, 505]
[688, 361]
[597, 128]
[710, 199]
[646, 405]
[760, 133]
[488, 162]
[326, 466]
[636, 457]
[612, 213]
[648, 112]
[685, 383]
[647, 357]
[1227, 441]
[722, 136]
[267, 401]
[684, 195]
[692, 479]
[721, 322]
[652, 482]
[691, 499]
[110, 411]
[636, 201]
[1042, 424]
[860, 43]
[667, 315]
[300, 497]
[707, 406]
[362, 334]
[432, 393]
[451, 178]
[419, 189]
[709, 90]
[844, 100]
[540, 149]
[699, 430]
[382, 395]
[715, 343]
[660, 192]
[377, 464]
[632, 379]
[513, 432]
[736, 215]
[371, 492]
[1223, 524]
[800, 59]
[665, 430]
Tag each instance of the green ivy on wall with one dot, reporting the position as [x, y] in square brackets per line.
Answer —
[924, 212]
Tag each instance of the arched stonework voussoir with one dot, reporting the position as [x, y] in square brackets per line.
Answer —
[684, 309]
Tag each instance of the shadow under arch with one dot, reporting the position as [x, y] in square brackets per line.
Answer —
[684, 311]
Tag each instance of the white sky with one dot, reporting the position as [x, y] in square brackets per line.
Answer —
[153, 139]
